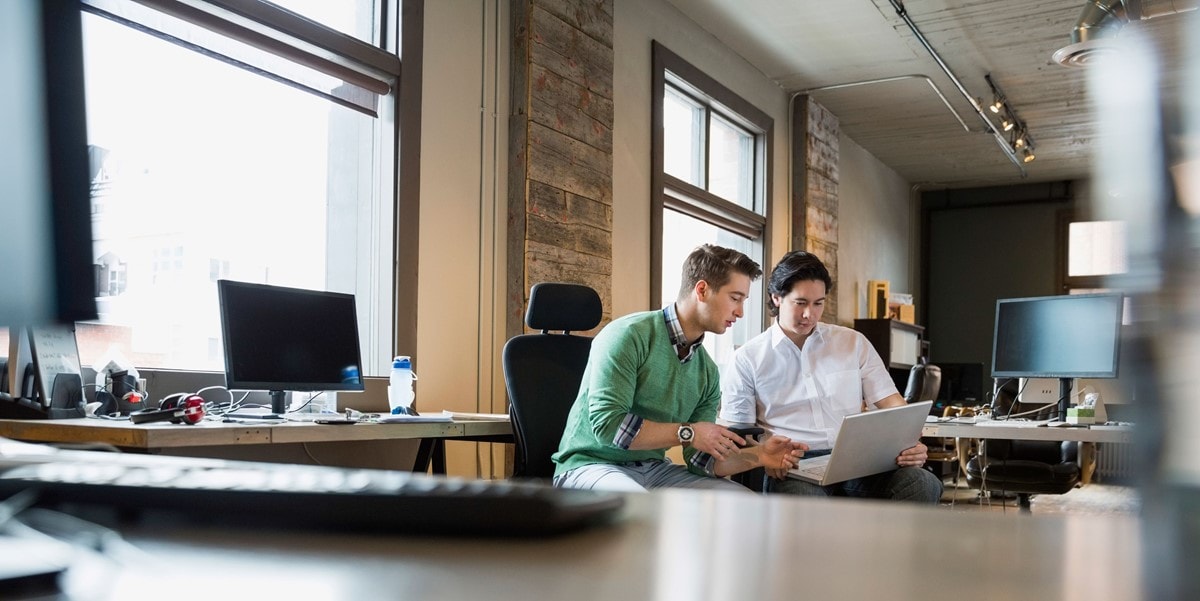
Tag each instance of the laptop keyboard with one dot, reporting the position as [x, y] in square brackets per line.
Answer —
[813, 468]
[301, 496]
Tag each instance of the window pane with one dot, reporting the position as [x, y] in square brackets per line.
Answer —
[202, 170]
[352, 17]
[681, 235]
[731, 163]
[683, 122]
[1096, 248]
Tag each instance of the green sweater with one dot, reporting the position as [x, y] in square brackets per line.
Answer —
[634, 369]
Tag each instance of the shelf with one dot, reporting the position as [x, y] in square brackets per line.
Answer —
[900, 344]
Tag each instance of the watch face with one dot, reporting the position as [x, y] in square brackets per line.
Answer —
[685, 433]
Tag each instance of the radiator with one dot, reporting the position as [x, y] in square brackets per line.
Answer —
[1114, 463]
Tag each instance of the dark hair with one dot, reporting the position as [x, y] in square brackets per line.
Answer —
[714, 264]
[795, 266]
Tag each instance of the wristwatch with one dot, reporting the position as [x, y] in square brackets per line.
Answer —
[686, 434]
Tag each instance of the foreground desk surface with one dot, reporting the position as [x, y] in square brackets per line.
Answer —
[669, 545]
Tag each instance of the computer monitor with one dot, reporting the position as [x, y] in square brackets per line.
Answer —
[962, 384]
[45, 192]
[284, 339]
[1063, 337]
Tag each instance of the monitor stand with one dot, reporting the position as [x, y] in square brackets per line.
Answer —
[1064, 397]
[279, 402]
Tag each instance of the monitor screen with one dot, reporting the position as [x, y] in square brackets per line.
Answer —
[289, 339]
[962, 383]
[45, 195]
[1070, 336]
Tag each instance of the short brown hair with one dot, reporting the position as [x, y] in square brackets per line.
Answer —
[715, 264]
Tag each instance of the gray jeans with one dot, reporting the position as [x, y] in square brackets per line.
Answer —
[640, 476]
[904, 484]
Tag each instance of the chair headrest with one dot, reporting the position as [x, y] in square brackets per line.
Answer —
[567, 307]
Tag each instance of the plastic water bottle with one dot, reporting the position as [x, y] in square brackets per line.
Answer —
[400, 390]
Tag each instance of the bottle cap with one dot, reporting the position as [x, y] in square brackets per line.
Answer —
[402, 361]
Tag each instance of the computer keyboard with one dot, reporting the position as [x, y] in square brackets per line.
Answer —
[314, 497]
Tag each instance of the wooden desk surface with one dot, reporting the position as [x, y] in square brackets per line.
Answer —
[1114, 434]
[158, 435]
[670, 545]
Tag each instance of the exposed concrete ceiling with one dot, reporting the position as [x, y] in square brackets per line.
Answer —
[806, 44]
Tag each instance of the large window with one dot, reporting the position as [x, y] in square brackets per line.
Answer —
[711, 154]
[1094, 250]
[237, 139]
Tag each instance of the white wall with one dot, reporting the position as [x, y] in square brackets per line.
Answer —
[877, 238]
[464, 151]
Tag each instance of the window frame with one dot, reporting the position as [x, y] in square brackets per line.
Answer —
[1067, 283]
[375, 63]
[670, 192]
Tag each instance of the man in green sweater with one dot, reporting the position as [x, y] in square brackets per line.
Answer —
[650, 385]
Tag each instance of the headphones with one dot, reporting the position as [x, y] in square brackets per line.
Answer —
[180, 408]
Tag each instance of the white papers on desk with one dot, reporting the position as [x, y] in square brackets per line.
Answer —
[1013, 423]
[460, 416]
[400, 418]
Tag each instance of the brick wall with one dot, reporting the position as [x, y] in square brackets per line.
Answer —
[815, 187]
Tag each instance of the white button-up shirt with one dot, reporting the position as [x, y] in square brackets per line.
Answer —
[803, 393]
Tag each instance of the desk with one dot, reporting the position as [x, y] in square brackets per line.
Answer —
[1087, 436]
[670, 544]
[1115, 434]
[156, 436]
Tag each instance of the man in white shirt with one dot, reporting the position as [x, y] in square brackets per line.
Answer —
[800, 378]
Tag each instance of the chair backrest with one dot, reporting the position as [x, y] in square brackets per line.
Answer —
[924, 382]
[542, 371]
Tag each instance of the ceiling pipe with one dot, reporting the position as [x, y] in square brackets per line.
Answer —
[1101, 21]
[854, 84]
[992, 129]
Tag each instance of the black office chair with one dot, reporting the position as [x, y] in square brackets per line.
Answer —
[1023, 467]
[925, 384]
[542, 371]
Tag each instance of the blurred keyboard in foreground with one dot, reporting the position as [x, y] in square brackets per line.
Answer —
[302, 496]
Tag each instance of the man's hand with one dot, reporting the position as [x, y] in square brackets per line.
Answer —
[716, 440]
[914, 456]
[780, 454]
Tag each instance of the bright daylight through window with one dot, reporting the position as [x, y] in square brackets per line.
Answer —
[203, 169]
[714, 185]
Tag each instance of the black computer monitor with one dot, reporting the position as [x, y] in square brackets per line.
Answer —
[1064, 337]
[962, 384]
[45, 193]
[283, 339]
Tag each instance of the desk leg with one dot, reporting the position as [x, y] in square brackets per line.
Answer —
[432, 450]
[1087, 462]
[439, 456]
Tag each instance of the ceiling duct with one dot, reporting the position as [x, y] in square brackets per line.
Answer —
[1102, 20]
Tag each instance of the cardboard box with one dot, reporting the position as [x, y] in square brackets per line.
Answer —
[877, 299]
[905, 313]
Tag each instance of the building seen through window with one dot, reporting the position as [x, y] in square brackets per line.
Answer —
[205, 169]
[714, 184]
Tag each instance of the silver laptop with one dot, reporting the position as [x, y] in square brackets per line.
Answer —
[867, 443]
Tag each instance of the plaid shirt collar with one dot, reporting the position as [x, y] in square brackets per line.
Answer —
[675, 329]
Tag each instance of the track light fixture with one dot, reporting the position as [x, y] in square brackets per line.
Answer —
[1018, 135]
